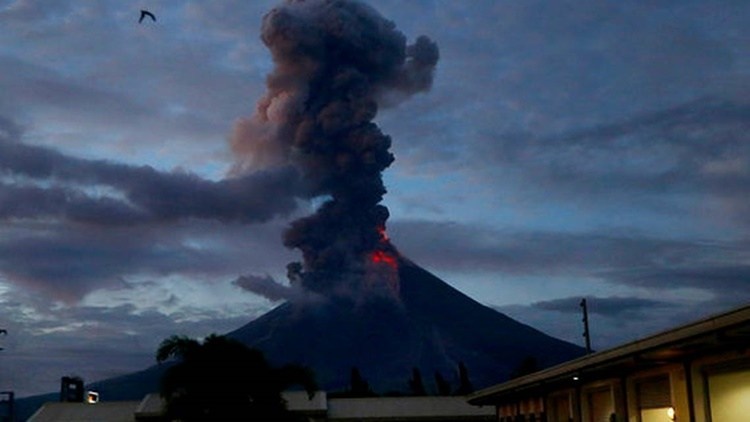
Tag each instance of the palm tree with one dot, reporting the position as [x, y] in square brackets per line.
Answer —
[221, 379]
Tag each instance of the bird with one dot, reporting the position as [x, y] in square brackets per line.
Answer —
[145, 13]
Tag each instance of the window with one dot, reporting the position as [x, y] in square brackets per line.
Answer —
[729, 396]
[654, 399]
[601, 405]
[560, 408]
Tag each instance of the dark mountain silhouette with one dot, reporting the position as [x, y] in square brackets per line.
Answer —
[433, 327]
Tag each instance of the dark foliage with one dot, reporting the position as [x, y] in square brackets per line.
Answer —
[222, 380]
[465, 386]
[527, 366]
[443, 387]
[416, 386]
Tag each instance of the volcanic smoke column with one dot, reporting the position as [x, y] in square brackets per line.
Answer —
[335, 62]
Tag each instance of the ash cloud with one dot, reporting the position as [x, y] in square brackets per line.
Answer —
[335, 63]
[266, 287]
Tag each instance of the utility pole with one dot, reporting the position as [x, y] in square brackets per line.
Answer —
[7, 398]
[586, 333]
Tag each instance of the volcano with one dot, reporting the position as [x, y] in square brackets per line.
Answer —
[432, 327]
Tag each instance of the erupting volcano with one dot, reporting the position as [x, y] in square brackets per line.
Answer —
[362, 303]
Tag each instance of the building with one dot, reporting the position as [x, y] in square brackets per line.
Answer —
[699, 372]
[318, 409]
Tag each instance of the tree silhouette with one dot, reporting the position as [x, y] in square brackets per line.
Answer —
[443, 387]
[358, 386]
[415, 383]
[465, 386]
[527, 366]
[222, 379]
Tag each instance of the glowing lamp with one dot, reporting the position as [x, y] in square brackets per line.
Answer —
[92, 397]
[670, 413]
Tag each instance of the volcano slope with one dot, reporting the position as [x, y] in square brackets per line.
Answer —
[432, 327]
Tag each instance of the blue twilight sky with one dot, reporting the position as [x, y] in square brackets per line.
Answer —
[567, 149]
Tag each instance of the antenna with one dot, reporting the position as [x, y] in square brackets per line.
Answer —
[586, 333]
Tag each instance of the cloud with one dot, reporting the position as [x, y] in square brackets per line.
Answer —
[58, 262]
[615, 307]
[689, 162]
[727, 282]
[611, 327]
[692, 147]
[62, 186]
[633, 260]
[266, 287]
[94, 342]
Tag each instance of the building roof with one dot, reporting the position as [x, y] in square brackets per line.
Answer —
[116, 411]
[429, 408]
[675, 345]
[454, 408]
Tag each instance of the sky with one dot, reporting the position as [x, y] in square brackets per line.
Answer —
[566, 149]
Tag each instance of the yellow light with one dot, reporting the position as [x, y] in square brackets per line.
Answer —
[92, 397]
[670, 413]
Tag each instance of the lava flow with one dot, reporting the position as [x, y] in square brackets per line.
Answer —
[382, 270]
[383, 256]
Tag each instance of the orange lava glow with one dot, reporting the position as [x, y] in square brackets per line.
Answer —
[383, 234]
[381, 257]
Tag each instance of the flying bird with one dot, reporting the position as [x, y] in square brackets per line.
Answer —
[145, 13]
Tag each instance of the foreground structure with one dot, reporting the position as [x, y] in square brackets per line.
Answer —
[318, 409]
[699, 372]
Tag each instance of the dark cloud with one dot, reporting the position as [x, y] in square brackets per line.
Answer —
[615, 307]
[94, 342]
[699, 146]
[141, 194]
[688, 162]
[726, 281]
[456, 246]
[65, 263]
[266, 287]
[613, 326]
[633, 260]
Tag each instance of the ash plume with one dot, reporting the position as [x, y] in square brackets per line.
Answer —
[266, 287]
[335, 63]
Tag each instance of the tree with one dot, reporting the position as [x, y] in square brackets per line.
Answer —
[465, 386]
[443, 387]
[222, 379]
[358, 386]
[415, 383]
[527, 366]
